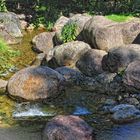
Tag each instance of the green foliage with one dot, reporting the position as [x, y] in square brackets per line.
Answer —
[6, 55]
[3, 7]
[69, 32]
[119, 18]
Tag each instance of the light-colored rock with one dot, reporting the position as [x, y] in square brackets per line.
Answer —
[11, 23]
[3, 85]
[36, 83]
[105, 34]
[67, 54]
[43, 42]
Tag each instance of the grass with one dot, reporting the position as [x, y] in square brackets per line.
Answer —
[6, 56]
[119, 18]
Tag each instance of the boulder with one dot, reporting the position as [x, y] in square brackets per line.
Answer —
[89, 30]
[90, 63]
[80, 20]
[3, 85]
[125, 113]
[9, 39]
[119, 58]
[72, 76]
[108, 83]
[67, 128]
[11, 23]
[36, 83]
[67, 54]
[58, 26]
[131, 77]
[105, 34]
[43, 42]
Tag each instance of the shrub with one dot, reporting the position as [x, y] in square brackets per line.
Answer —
[69, 32]
[3, 7]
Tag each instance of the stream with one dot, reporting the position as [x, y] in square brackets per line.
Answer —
[25, 121]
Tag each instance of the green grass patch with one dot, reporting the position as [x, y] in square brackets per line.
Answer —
[119, 18]
[6, 56]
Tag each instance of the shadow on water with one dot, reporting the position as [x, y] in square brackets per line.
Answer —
[121, 132]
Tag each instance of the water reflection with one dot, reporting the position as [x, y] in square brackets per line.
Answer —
[121, 132]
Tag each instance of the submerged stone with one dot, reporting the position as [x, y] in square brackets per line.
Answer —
[81, 111]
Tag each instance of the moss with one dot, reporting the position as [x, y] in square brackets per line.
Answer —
[119, 18]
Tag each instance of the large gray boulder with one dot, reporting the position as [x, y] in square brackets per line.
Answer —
[90, 63]
[131, 77]
[11, 23]
[119, 58]
[67, 128]
[67, 54]
[35, 83]
[43, 42]
[105, 34]
[10, 28]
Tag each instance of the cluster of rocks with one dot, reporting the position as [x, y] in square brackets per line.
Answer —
[105, 58]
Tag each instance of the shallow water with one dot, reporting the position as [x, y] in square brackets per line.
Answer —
[26, 54]
[30, 128]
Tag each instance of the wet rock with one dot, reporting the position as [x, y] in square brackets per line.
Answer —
[131, 78]
[67, 128]
[125, 113]
[36, 83]
[119, 58]
[43, 42]
[3, 85]
[90, 63]
[131, 101]
[105, 34]
[72, 76]
[60, 23]
[110, 83]
[67, 54]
